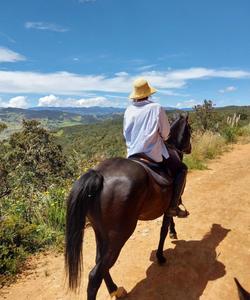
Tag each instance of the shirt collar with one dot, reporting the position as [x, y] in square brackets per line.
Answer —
[141, 103]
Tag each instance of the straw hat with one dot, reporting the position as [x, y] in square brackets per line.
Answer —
[141, 89]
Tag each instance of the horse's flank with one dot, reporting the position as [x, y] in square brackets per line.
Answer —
[131, 183]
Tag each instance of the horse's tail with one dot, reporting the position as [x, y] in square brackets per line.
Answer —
[85, 189]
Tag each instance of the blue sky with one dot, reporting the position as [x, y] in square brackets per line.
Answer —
[88, 52]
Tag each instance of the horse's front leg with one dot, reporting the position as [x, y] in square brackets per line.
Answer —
[164, 231]
[172, 232]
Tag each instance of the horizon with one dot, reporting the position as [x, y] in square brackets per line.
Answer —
[113, 107]
[196, 51]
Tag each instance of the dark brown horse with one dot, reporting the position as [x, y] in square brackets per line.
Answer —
[114, 196]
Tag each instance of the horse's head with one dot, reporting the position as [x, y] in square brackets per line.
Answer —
[180, 134]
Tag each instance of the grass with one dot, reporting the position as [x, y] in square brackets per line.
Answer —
[205, 146]
[244, 134]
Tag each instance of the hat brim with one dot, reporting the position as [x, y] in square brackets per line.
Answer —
[137, 96]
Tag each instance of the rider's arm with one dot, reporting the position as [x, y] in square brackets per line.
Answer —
[164, 126]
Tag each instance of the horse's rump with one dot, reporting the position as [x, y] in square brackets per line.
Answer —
[128, 189]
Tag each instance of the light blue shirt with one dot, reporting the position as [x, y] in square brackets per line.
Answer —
[145, 129]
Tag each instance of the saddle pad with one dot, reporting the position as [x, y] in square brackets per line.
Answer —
[159, 179]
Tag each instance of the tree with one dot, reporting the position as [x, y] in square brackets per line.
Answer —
[204, 115]
[31, 160]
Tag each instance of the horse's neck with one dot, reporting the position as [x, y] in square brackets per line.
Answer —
[176, 136]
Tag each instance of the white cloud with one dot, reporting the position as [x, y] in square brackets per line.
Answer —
[18, 102]
[52, 100]
[228, 89]
[45, 26]
[62, 83]
[7, 55]
[187, 103]
[97, 101]
[65, 83]
[121, 74]
[171, 93]
[147, 67]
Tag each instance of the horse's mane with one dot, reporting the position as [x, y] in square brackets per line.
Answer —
[176, 131]
[176, 122]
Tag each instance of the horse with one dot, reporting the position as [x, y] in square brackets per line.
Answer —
[114, 195]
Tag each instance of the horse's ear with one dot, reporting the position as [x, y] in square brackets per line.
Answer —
[187, 116]
[176, 116]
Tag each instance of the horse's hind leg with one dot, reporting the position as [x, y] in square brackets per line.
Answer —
[111, 286]
[164, 231]
[107, 253]
[172, 232]
[95, 280]
[107, 258]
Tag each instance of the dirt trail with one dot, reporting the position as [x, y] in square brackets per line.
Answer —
[213, 246]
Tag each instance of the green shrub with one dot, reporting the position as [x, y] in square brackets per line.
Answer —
[18, 239]
[50, 209]
[230, 134]
[244, 130]
[30, 224]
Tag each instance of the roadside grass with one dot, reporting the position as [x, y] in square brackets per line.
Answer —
[205, 146]
[244, 134]
[28, 226]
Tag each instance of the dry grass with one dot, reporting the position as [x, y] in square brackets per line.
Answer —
[244, 134]
[205, 146]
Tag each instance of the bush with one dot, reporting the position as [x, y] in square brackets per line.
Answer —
[244, 134]
[18, 239]
[29, 224]
[230, 134]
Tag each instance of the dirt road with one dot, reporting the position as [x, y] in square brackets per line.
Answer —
[213, 246]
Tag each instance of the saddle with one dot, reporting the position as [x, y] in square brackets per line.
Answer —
[161, 176]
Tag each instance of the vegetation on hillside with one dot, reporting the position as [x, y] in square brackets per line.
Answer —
[35, 176]
[37, 168]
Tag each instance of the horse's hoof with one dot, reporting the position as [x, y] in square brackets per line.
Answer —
[119, 293]
[173, 236]
[161, 259]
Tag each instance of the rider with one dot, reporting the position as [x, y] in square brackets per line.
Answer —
[145, 129]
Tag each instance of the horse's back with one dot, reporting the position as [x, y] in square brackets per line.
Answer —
[129, 191]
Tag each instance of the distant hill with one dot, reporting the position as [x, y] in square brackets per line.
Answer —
[93, 110]
[50, 118]
[59, 115]
[53, 118]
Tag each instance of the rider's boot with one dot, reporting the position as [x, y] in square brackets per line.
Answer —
[179, 184]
